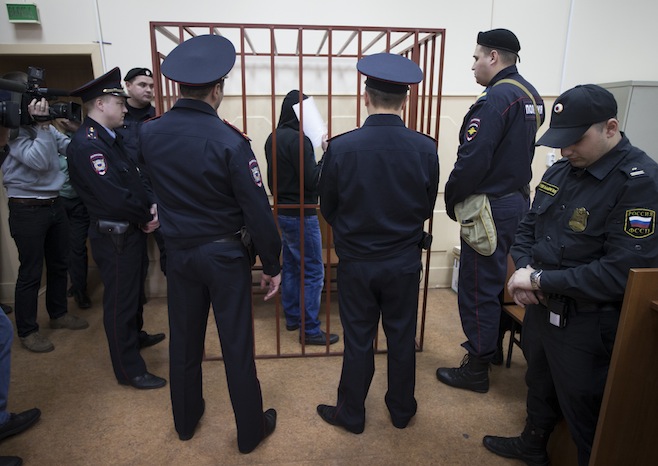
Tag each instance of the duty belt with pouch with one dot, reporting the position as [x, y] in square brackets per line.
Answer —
[558, 309]
[117, 231]
[243, 237]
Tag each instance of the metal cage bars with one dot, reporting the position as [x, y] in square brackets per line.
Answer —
[419, 45]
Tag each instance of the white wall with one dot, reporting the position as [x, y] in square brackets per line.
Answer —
[564, 42]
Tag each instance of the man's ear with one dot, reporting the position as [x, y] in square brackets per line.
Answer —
[611, 127]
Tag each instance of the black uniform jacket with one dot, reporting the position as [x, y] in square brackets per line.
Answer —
[108, 182]
[130, 129]
[496, 142]
[587, 227]
[207, 181]
[377, 186]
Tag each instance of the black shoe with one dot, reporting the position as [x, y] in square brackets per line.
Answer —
[147, 381]
[328, 415]
[292, 327]
[10, 461]
[188, 436]
[146, 340]
[17, 423]
[497, 359]
[472, 374]
[7, 308]
[517, 448]
[400, 424]
[82, 299]
[269, 417]
[320, 340]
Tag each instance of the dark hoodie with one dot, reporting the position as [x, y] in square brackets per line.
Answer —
[287, 159]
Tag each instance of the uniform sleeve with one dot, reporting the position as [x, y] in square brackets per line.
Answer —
[625, 247]
[433, 186]
[107, 180]
[481, 132]
[521, 250]
[39, 152]
[247, 183]
[328, 187]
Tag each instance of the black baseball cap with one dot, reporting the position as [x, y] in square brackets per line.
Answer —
[389, 72]
[575, 111]
[200, 61]
[500, 39]
[132, 74]
[108, 84]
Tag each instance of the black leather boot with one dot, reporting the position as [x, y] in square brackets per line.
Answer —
[529, 447]
[472, 374]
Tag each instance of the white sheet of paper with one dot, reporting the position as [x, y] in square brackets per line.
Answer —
[314, 125]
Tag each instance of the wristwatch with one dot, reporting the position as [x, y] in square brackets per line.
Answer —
[534, 279]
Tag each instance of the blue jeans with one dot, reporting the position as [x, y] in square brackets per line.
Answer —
[291, 272]
[6, 337]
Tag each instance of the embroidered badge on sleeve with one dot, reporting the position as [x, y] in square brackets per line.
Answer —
[472, 130]
[640, 223]
[98, 163]
[255, 173]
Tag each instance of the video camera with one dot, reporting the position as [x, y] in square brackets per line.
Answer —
[14, 114]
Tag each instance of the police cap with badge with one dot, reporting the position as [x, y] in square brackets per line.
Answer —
[575, 111]
[133, 73]
[500, 39]
[200, 61]
[389, 72]
[108, 84]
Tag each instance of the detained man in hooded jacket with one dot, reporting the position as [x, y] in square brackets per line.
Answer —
[294, 161]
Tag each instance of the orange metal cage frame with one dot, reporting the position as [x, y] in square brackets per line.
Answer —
[330, 48]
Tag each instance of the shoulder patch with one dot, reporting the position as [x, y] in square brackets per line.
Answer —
[640, 222]
[98, 163]
[472, 129]
[152, 118]
[242, 133]
[548, 188]
[91, 133]
[255, 173]
[341, 134]
[427, 136]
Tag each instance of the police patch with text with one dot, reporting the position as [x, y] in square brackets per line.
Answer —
[640, 223]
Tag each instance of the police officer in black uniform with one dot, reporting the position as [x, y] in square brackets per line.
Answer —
[209, 186]
[377, 187]
[494, 157]
[139, 87]
[592, 220]
[121, 211]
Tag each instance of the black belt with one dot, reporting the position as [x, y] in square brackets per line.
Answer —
[229, 238]
[32, 201]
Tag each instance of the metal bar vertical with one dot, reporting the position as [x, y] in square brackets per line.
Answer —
[274, 169]
[302, 199]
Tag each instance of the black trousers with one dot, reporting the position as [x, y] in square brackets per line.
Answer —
[78, 219]
[121, 275]
[217, 274]
[367, 290]
[567, 371]
[41, 233]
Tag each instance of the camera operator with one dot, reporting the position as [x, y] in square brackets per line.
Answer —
[37, 221]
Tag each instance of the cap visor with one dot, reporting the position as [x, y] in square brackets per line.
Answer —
[561, 137]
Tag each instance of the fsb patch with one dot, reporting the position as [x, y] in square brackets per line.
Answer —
[640, 223]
